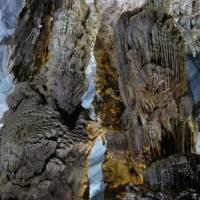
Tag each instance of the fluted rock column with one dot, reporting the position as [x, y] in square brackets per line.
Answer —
[150, 54]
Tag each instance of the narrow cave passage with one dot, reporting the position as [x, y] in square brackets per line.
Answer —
[90, 76]
[97, 154]
[96, 159]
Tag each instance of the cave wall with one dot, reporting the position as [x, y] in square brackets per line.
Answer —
[46, 135]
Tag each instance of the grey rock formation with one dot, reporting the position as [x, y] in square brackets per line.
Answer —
[186, 18]
[176, 178]
[178, 172]
[43, 142]
[150, 56]
[184, 195]
[40, 156]
[75, 27]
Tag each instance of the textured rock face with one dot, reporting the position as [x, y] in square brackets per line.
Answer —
[44, 145]
[186, 17]
[43, 141]
[184, 195]
[152, 77]
[34, 26]
[174, 178]
[58, 38]
[39, 157]
[107, 89]
[73, 35]
[178, 172]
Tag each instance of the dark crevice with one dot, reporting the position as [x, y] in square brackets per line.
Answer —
[42, 96]
[70, 119]
[167, 142]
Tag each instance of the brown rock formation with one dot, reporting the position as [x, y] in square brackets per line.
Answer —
[109, 104]
[32, 38]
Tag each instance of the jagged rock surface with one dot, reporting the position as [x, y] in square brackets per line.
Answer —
[74, 31]
[40, 156]
[178, 172]
[57, 38]
[108, 99]
[31, 39]
[186, 19]
[176, 177]
[184, 195]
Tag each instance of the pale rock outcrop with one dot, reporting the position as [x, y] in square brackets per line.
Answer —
[186, 18]
[73, 35]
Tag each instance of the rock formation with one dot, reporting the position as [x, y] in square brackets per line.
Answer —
[150, 54]
[142, 100]
[43, 141]
[174, 178]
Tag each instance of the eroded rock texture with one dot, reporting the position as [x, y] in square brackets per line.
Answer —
[178, 172]
[183, 195]
[186, 19]
[31, 40]
[57, 38]
[43, 142]
[176, 177]
[40, 156]
[44, 145]
[150, 55]
[73, 36]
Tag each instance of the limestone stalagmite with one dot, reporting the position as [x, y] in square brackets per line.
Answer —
[150, 55]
